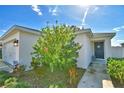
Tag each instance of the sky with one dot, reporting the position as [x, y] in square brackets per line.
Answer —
[100, 18]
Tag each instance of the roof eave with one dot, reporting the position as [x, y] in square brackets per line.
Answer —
[97, 35]
[87, 31]
[14, 27]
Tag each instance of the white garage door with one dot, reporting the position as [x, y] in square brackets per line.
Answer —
[9, 53]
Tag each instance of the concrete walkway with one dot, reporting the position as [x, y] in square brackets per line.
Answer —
[4, 67]
[96, 76]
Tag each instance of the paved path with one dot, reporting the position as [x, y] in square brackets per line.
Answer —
[4, 67]
[95, 76]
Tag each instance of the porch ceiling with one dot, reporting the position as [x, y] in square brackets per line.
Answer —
[98, 39]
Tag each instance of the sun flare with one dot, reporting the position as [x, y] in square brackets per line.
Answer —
[84, 6]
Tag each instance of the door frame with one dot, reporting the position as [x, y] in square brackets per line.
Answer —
[103, 49]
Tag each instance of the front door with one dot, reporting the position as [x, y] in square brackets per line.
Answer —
[99, 49]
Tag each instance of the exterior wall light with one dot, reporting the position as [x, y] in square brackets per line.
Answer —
[15, 43]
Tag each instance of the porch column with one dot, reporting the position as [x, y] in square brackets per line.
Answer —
[107, 48]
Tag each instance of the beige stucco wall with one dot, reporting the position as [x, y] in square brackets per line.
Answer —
[117, 52]
[10, 53]
[88, 51]
[85, 52]
[107, 49]
[22, 52]
[27, 40]
[122, 51]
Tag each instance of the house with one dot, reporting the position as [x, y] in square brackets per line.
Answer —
[17, 45]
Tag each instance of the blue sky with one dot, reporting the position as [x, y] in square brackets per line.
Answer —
[98, 18]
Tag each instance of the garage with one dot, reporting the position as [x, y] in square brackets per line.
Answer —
[9, 53]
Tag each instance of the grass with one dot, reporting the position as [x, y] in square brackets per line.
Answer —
[43, 78]
[3, 77]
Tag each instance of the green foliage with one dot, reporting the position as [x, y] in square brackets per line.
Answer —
[3, 77]
[56, 48]
[22, 68]
[10, 83]
[34, 63]
[14, 83]
[115, 67]
[23, 84]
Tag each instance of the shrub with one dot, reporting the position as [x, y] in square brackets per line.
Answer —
[34, 63]
[3, 77]
[22, 85]
[56, 48]
[11, 82]
[14, 83]
[115, 67]
[72, 75]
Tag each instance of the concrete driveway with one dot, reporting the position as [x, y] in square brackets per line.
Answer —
[96, 76]
[4, 67]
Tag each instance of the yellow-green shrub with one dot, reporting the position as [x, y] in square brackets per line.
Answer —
[115, 67]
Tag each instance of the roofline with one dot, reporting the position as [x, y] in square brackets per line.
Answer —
[112, 34]
[88, 31]
[17, 27]
[105, 33]
[79, 31]
[35, 30]
[27, 28]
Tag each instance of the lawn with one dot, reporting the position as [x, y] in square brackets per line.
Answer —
[43, 78]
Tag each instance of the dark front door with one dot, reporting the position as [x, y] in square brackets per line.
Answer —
[99, 49]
